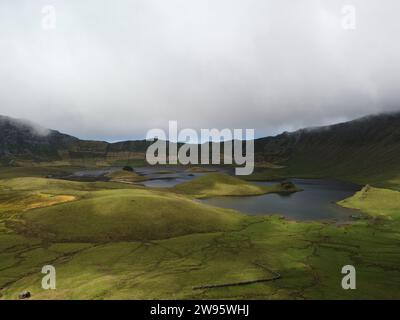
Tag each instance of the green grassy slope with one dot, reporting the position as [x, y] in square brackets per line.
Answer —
[107, 215]
[116, 241]
[309, 258]
[219, 184]
[154, 248]
[379, 203]
[364, 151]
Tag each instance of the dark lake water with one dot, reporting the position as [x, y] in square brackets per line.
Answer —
[316, 202]
[167, 181]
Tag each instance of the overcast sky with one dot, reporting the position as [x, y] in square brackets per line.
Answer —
[114, 69]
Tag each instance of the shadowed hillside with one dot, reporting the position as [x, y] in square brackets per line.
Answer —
[364, 148]
[21, 140]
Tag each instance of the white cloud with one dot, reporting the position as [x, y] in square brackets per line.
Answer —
[114, 70]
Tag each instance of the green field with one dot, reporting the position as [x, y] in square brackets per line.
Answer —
[218, 184]
[114, 240]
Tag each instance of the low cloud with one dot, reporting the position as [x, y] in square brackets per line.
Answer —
[114, 70]
[33, 127]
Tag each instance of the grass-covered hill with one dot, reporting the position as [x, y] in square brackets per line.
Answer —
[69, 211]
[365, 150]
[219, 184]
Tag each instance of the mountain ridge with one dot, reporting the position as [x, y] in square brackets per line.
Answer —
[368, 145]
[353, 150]
[20, 140]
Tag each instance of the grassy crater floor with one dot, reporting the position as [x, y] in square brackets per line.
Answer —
[111, 240]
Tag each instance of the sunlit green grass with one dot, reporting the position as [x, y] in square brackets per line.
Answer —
[116, 241]
[219, 184]
[134, 214]
[376, 202]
